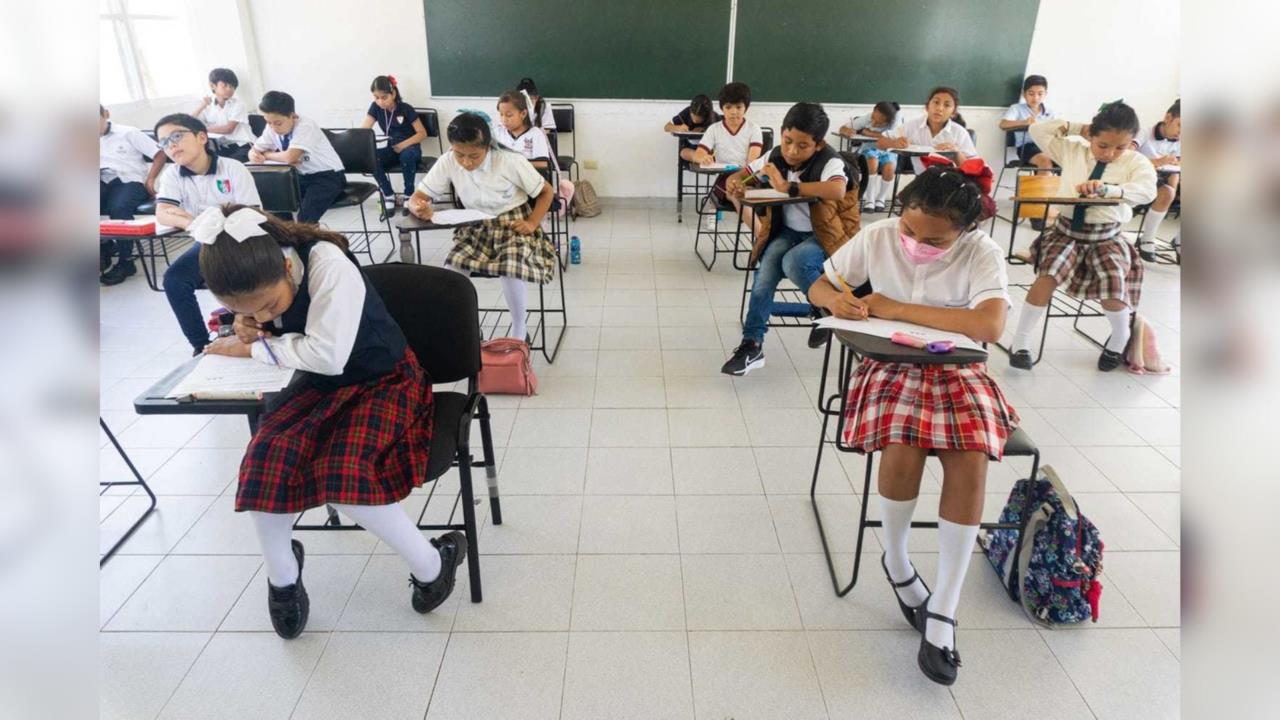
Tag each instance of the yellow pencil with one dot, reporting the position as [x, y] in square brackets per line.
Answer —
[849, 290]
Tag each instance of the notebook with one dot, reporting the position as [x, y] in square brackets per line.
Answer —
[886, 328]
[219, 377]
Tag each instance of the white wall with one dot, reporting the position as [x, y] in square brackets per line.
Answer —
[1088, 49]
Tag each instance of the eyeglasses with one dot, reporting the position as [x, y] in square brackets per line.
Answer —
[173, 139]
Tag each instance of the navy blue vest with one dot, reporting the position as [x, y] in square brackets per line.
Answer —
[379, 342]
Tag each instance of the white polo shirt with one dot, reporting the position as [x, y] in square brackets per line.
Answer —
[318, 155]
[1153, 145]
[125, 153]
[504, 181]
[916, 131]
[532, 143]
[796, 216]
[972, 271]
[233, 111]
[227, 181]
[1132, 171]
[1022, 111]
[730, 147]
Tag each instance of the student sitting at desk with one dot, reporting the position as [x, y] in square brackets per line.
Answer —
[356, 435]
[696, 118]
[224, 114]
[197, 180]
[734, 140]
[487, 177]
[399, 122]
[128, 164]
[794, 240]
[932, 266]
[880, 163]
[1023, 115]
[515, 129]
[1086, 250]
[300, 142]
[540, 111]
[1163, 146]
[941, 128]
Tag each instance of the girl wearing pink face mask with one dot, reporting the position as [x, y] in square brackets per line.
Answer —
[932, 266]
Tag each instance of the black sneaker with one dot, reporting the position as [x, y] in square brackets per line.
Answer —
[746, 357]
[1021, 359]
[289, 606]
[1109, 360]
[427, 596]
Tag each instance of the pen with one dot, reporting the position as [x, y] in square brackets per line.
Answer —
[270, 352]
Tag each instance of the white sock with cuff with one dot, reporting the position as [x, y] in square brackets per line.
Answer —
[1028, 321]
[896, 518]
[1150, 224]
[1119, 320]
[872, 193]
[955, 549]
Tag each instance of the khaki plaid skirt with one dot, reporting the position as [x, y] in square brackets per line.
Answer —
[494, 248]
[1093, 263]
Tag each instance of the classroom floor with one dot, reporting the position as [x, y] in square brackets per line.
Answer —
[658, 556]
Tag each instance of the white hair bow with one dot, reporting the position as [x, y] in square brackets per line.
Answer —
[241, 224]
[528, 102]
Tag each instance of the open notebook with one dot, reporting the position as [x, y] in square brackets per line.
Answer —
[886, 328]
[218, 377]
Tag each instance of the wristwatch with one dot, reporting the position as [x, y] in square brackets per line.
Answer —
[793, 190]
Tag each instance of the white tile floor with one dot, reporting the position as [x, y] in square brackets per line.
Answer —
[658, 557]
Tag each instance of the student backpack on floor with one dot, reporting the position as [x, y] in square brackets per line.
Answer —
[1049, 567]
[585, 201]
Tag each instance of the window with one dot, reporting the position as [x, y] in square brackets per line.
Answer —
[145, 50]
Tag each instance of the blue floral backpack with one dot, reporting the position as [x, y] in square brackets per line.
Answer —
[1049, 567]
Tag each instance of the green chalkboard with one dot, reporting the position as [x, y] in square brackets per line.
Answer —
[659, 49]
[864, 51]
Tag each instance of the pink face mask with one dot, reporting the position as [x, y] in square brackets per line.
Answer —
[918, 252]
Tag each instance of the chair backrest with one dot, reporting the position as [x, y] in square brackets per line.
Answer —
[257, 124]
[563, 115]
[767, 135]
[973, 135]
[1034, 186]
[356, 148]
[431, 123]
[438, 312]
[277, 187]
[856, 163]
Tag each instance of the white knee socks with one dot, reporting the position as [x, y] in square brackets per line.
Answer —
[1028, 321]
[274, 532]
[514, 291]
[1150, 224]
[393, 527]
[886, 191]
[1119, 320]
[955, 548]
[872, 193]
[896, 516]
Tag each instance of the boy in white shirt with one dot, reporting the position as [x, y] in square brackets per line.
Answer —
[940, 128]
[1163, 147]
[734, 140]
[1023, 115]
[125, 181]
[300, 142]
[225, 115]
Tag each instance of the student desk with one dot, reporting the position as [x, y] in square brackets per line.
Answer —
[162, 234]
[410, 228]
[854, 346]
[686, 139]
[705, 197]
[137, 481]
[847, 142]
[793, 311]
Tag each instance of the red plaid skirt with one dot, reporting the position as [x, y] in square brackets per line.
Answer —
[1094, 263]
[939, 407]
[358, 445]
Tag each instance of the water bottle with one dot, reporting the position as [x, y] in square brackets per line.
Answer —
[575, 250]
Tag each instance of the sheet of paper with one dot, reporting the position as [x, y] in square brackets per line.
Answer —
[919, 149]
[765, 194]
[718, 166]
[458, 217]
[228, 376]
[886, 328]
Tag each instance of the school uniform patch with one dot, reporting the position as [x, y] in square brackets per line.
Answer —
[224, 186]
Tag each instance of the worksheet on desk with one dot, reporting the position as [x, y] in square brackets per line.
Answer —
[223, 375]
[459, 216]
[765, 194]
[886, 328]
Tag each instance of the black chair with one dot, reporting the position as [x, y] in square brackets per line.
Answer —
[559, 224]
[437, 310]
[356, 149]
[257, 124]
[1015, 162]
[277, 189]
[767, 135]
[563, 115]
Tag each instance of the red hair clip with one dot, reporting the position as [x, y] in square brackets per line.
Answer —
[392, 78]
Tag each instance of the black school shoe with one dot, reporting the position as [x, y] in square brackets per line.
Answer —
[746, 357]
[1021, 359]
[1147, 254]
[289, 605]
[118, 274]
[818, 336]
[427, 596]
[912, 614]
[940, 665]
[1109, 360]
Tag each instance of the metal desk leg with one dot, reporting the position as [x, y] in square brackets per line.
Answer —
[138, 480]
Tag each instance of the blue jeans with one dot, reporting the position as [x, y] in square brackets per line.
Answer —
[794, 254]
[180, 283]
[407, 159]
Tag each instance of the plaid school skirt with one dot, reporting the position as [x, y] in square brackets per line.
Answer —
[939, 407]
[494, 248]
[362, 444]
[1094, 263]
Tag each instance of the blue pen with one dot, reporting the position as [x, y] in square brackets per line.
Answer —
[267, 345]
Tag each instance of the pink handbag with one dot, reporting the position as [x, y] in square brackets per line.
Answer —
[1142, 354]
[506, 368]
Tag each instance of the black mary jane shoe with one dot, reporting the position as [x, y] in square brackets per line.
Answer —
[1021, 359]
[289, 605]
[1147, 255]
[911, 614]
[1109, 360]
[428, 596]
[940, 665]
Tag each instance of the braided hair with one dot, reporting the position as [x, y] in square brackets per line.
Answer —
[945, 191]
